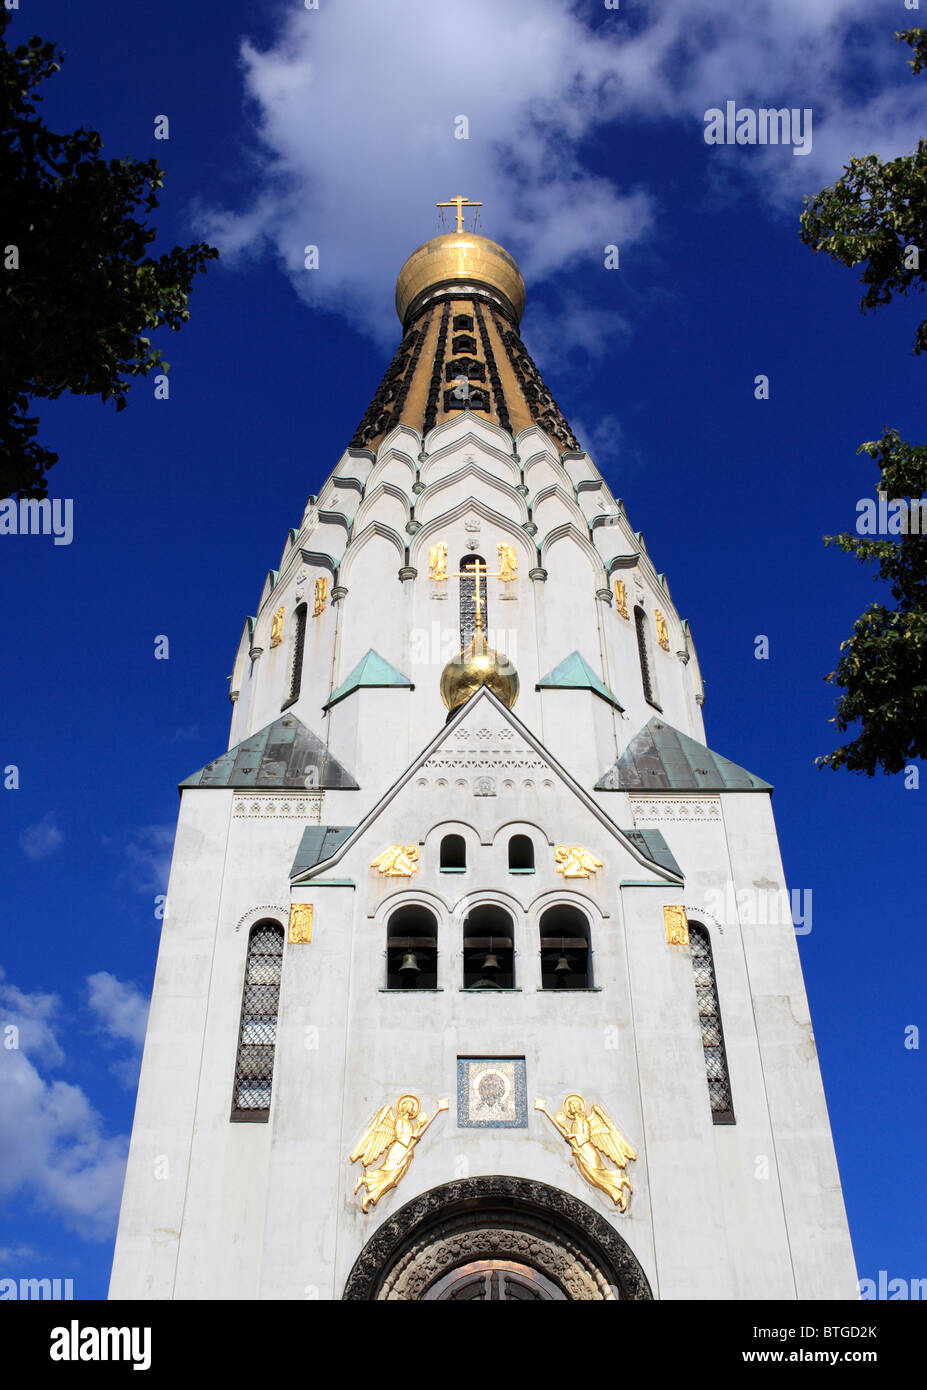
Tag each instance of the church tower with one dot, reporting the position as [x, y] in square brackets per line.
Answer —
[463, 991]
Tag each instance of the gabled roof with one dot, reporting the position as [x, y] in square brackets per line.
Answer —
[285, 754]
[575, 673]
[648, 848]
[371, 670]
[319, 842]
[660, 758]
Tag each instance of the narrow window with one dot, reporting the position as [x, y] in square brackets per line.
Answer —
[468, 599]
[463, 321]
[521, 855]
[299, 646]
[254, 1066]
[640, 620]
[564, 948]
[453, 854]
[489, 954]
[709, 1016]
[412, 949]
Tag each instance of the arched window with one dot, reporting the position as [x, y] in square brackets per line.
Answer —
[565, 962]
[412, 949]
[643, 650]
[296, 664]
[254, 1066]
[489, 955]
[453, 854]
[709, 1017]
[468, 599]
[521, 854]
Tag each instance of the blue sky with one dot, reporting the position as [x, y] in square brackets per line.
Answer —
[335, 127]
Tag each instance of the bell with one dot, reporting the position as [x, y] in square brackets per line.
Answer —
[563, 966]
[410, 966]
[490, 964]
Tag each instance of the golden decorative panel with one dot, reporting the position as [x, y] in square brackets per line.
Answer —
[621, 598]
[508, 563]
[595, 1144]
[276, 628]
[662, 630]
[677, 926]
[300, 924]
[397, 861]
[437, 561]
[321, 594]
[396, 1134]
[573, 861]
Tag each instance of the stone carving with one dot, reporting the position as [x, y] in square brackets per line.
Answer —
[395, 1264]
[650, 810]
[484, 786]
[297, 807]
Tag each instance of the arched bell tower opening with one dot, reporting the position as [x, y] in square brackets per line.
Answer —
[496, 1238]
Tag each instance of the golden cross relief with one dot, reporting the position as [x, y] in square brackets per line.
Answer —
[459, 203]
[477, 571]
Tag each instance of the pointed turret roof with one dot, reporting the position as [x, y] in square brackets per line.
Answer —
[661, 758]
[575, 673]
[285, 754]
[371, 670]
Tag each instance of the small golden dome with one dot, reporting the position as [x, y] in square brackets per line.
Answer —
[478, 665]
[457, 256]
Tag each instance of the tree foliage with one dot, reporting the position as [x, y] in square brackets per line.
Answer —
[876, 215]
[78, 289]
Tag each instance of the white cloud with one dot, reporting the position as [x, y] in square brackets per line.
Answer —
[40, 840]
[148, 858]
[53, 1145]
[605, 444]
[120, 1007]
[355, 106]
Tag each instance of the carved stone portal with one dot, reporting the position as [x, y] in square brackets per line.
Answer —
[496, 1237]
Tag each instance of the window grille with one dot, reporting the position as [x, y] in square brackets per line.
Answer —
[709, 1015]
[299, 645]
[640, 621]
[254, 1066]
[468, 600]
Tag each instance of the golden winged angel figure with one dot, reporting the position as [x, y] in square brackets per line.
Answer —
[593, 1139]
[574, 861]
[398, 1134]
[397, 861]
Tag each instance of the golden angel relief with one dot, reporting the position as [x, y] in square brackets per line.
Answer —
[508, 563]
[397, 861]
[396, 1135]
[573, 861]
[662, 629]
[437, 561]
[595, 1144]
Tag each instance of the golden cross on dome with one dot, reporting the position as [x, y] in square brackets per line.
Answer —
[459, 203]
[478, 570]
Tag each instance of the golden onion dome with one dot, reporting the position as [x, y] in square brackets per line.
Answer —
[478, 665]
[456, 257]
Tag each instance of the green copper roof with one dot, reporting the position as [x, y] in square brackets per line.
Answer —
[371, 670]
[575, 673]
[652, 843]
[319, 843]
[285, 754]
[661, 758]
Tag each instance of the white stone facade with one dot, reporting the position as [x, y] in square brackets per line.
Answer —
[219, 1209]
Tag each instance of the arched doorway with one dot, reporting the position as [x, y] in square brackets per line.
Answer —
[496, 1238]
